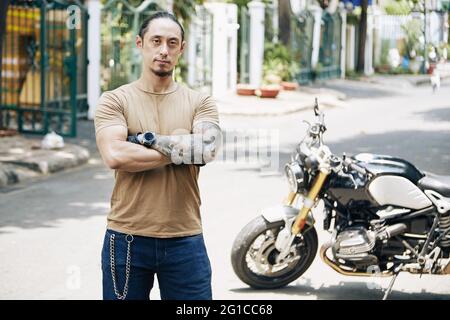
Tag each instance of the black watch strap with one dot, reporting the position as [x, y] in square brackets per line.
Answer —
[134, 138]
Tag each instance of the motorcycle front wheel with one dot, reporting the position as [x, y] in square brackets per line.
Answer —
[253, 256]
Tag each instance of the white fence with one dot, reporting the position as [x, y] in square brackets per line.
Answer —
[390, 27]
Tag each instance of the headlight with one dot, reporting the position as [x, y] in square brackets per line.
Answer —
[294, 175]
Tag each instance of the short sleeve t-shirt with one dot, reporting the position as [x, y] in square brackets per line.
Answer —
[162, 202]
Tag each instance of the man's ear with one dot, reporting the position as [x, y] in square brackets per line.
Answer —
[139, 42]
[183, 46]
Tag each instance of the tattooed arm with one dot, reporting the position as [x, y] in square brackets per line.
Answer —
[197, 148]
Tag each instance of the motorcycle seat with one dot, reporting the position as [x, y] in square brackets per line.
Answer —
[440, 184]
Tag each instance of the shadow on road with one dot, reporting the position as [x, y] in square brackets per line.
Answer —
[46, 203]
[344, 291]
[437, 115]
[359, 90]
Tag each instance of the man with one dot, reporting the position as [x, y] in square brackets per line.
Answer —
[156, 134]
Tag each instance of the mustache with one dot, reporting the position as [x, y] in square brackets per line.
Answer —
[161, 60]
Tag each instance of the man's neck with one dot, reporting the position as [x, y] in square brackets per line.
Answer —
[153, 83]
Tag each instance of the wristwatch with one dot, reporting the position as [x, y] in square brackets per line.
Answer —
[148, 139]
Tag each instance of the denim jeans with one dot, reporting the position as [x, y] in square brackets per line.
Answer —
[181, 265]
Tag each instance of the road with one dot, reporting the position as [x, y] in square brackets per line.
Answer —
[51, 230]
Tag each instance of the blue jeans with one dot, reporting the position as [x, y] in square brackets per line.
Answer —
[181, 265]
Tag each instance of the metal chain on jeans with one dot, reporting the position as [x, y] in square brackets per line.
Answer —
[127, 266]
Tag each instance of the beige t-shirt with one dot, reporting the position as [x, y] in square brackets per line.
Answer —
[163, 202]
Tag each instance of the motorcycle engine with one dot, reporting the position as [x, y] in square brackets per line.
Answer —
[354, 245]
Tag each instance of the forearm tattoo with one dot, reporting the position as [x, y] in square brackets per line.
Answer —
[199, 148]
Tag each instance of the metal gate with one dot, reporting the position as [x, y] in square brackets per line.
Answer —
[120, 59]
[44, 67]
[244, 42]
[330, 47]
[271, 22]
[301, 45]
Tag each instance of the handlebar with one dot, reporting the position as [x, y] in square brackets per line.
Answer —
[353, 166]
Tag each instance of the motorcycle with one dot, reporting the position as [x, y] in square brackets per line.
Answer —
[382, 214]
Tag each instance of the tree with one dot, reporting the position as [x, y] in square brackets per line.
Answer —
[362, 35]
[184, 9]
[323, 3]
[3, 11]
[284, 21]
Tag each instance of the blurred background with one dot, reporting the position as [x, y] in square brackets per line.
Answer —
[58, 56]
[378, 67]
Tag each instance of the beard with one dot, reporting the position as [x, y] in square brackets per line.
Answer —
[162, 74]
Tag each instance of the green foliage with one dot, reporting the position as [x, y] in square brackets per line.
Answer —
[394, 71]
[413, 32]
[398, 7]
[239, 3]
[277, 51]
[278, 61]
[384, 52]
[440, 50]
[181, 70]
[352, 75]
[446, 5]
[184, 9]
[352, 19]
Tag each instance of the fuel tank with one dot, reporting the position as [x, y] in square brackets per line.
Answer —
[387, 165]
[394, 181]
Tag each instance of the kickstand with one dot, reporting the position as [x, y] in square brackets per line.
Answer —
[391, 284]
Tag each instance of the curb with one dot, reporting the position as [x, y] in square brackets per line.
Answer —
[34, 163]
[412, 82]
[338, 95]
[422, 82]
[11, 174]
[264, 113]
[329, 103]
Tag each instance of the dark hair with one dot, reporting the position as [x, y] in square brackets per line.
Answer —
[159, 15]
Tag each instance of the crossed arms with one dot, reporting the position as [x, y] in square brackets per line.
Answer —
[198, 148]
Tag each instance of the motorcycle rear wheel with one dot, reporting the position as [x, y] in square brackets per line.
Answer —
[303, 253]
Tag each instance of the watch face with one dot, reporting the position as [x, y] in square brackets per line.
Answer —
[149, 136]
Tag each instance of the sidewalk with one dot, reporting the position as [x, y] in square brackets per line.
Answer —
[286, 102]
[408, 80]
[22, 159]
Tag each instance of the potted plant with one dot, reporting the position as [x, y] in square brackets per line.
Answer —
[289, 84]
[245, 89]
[278, 68]
[268, 91]
[413, 44]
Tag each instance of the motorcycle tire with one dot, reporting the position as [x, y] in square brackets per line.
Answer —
[246, 238]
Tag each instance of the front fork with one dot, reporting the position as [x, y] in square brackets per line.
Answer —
[286, 236]
[309, 202]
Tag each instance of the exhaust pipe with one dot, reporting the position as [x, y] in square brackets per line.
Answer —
[388, 232]
[392, 231]
[323, 255]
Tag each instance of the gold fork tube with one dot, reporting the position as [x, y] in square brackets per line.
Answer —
[300, 222]
[291, 199]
